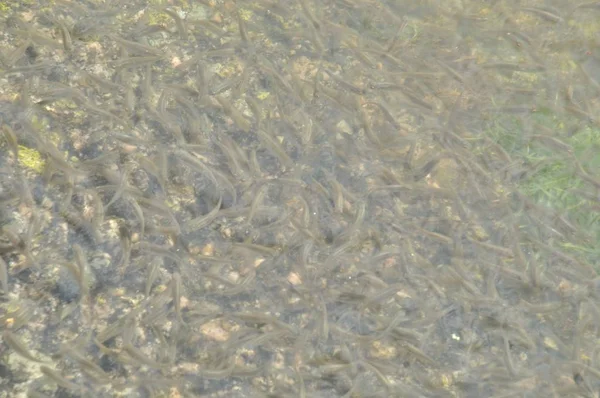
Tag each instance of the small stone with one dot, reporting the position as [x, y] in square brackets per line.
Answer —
[214, 330]
[294, 279]
[208, 250]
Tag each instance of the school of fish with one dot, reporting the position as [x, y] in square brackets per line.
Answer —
[298, 198]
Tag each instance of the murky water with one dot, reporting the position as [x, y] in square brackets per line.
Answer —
[299, 198]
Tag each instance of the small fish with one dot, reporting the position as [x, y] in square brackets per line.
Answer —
[166, 119]
[98, 206]
[179, 22]
[242, 28]
[507, 356]
[83, 267]
[586, 176]
[512, 109]
[225, 52]
[387, 113]
[518, 38]
[380, 376]
[25, 191]
[100, 83]
[128, 330]
[176, 294]
[129, 99]
[262, 338]
[57, 160]
[11, 139]
[157, 207]
[514, 67]
[270, 70]
[345, 84]
[426, 169]
[300, 382]
[383, 295]
[309, 14]
[257, 200]
[37, 394]
[18, 346]
[122, 187]
[89, 367]
[543, 308]
[208, 25]
[418, 353]
[131, 62]
[146, 90]
[140, 357]
[125, 240]
[33, 68]
[238, 118]
[366, 124]
[241, 286]
[162, 165]
[433, 235]
[526, 266]
[324, 321]
[80, 225]
[401, 334]
[3, 276]
[57, 378]
[504, 251]
[451, 71]
[253, 247]
[204, 220]
[15, 55]
[158, 250]
[362, 55]
[416, 99]
[196, 164]
[153, 270]
[234, 155]
[29, 32]
[348, 102]
[274, 147]
[61, 93]
[547, 15]
[224, 85]
[136, 48]
[64, 33]
[139, 213]
[592, 5]
[93, 108]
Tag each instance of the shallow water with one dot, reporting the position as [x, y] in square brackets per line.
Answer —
[296, 198]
